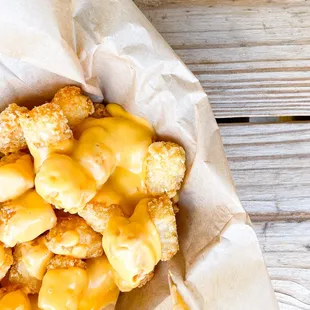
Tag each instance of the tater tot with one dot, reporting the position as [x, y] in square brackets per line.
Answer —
[133, 247]
[75, 106]
[25, 218]
[11, 134]
[16, 175]
[6, 260]
[165, 168]
[101, 290]
[12, 298]
[94, 156]
[46, 131]
[162, 214]
[30, 263]
[64, 183]
[72, 236]
[100, 111]
[63, 284]
[97, 214]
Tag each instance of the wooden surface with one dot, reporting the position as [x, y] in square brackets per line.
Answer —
[253, 59]
[270, 164]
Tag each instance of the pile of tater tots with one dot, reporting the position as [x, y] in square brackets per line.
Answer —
[87, 203]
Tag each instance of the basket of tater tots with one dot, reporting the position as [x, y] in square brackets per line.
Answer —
[115, 192]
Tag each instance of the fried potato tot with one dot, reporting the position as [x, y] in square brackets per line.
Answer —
[11, 134]
[101, 290]
[6, 260]
[76, 107]
[133, 247]
[16, 175]
[72, 236]
[11, 297]
[162, 214]
[25, 218]
[64, 183]
[30, 263]
[63, 284]
[165, 168]
[97, 213]
[46, 131]
[100, 111]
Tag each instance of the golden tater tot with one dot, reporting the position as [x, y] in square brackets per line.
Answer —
[30, 263]
[63, 286]
[16, 175]
[63, 183]
[46, 131]
[163, 216]
[72, 236]
[100, 111]
[165, 168]
[101, 290]
[45, 125]
[11, 134]
[75, 106]
[133, 247]
[97, 214]
[27, 284]
[64, 262]
[94, 156]
[25, 218]
[12, 298]
[6, 260]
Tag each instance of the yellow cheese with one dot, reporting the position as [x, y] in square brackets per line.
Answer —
[132, 246]
[25, 218]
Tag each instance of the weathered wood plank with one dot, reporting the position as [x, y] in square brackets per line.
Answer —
[286, 247]
[270, 164]
[251, 57]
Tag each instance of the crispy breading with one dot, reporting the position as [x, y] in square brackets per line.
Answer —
[64, 262]
[146, 279]
[165, 168]
[100, 111]
[16, 175]
[75, 106]
[97, 214]
[11, 134]
[45, 125]
[162, 214]
[72, 236]
[27, 283]
[6, 260]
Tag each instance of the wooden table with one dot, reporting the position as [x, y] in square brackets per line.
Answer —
[253, 60]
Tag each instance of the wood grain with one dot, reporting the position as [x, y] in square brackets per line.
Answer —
[251, 57]
[286, 248]
[270, 164]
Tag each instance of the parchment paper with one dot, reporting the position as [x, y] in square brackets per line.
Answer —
[109, 48]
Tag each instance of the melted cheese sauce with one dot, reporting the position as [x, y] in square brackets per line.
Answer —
[64, 183]
[132, 246]
[29, 216]
[62, 288]
[15, 301]
[41, 154]
[101, 290]
[4, 267]
[35, 257]
[16, 178]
